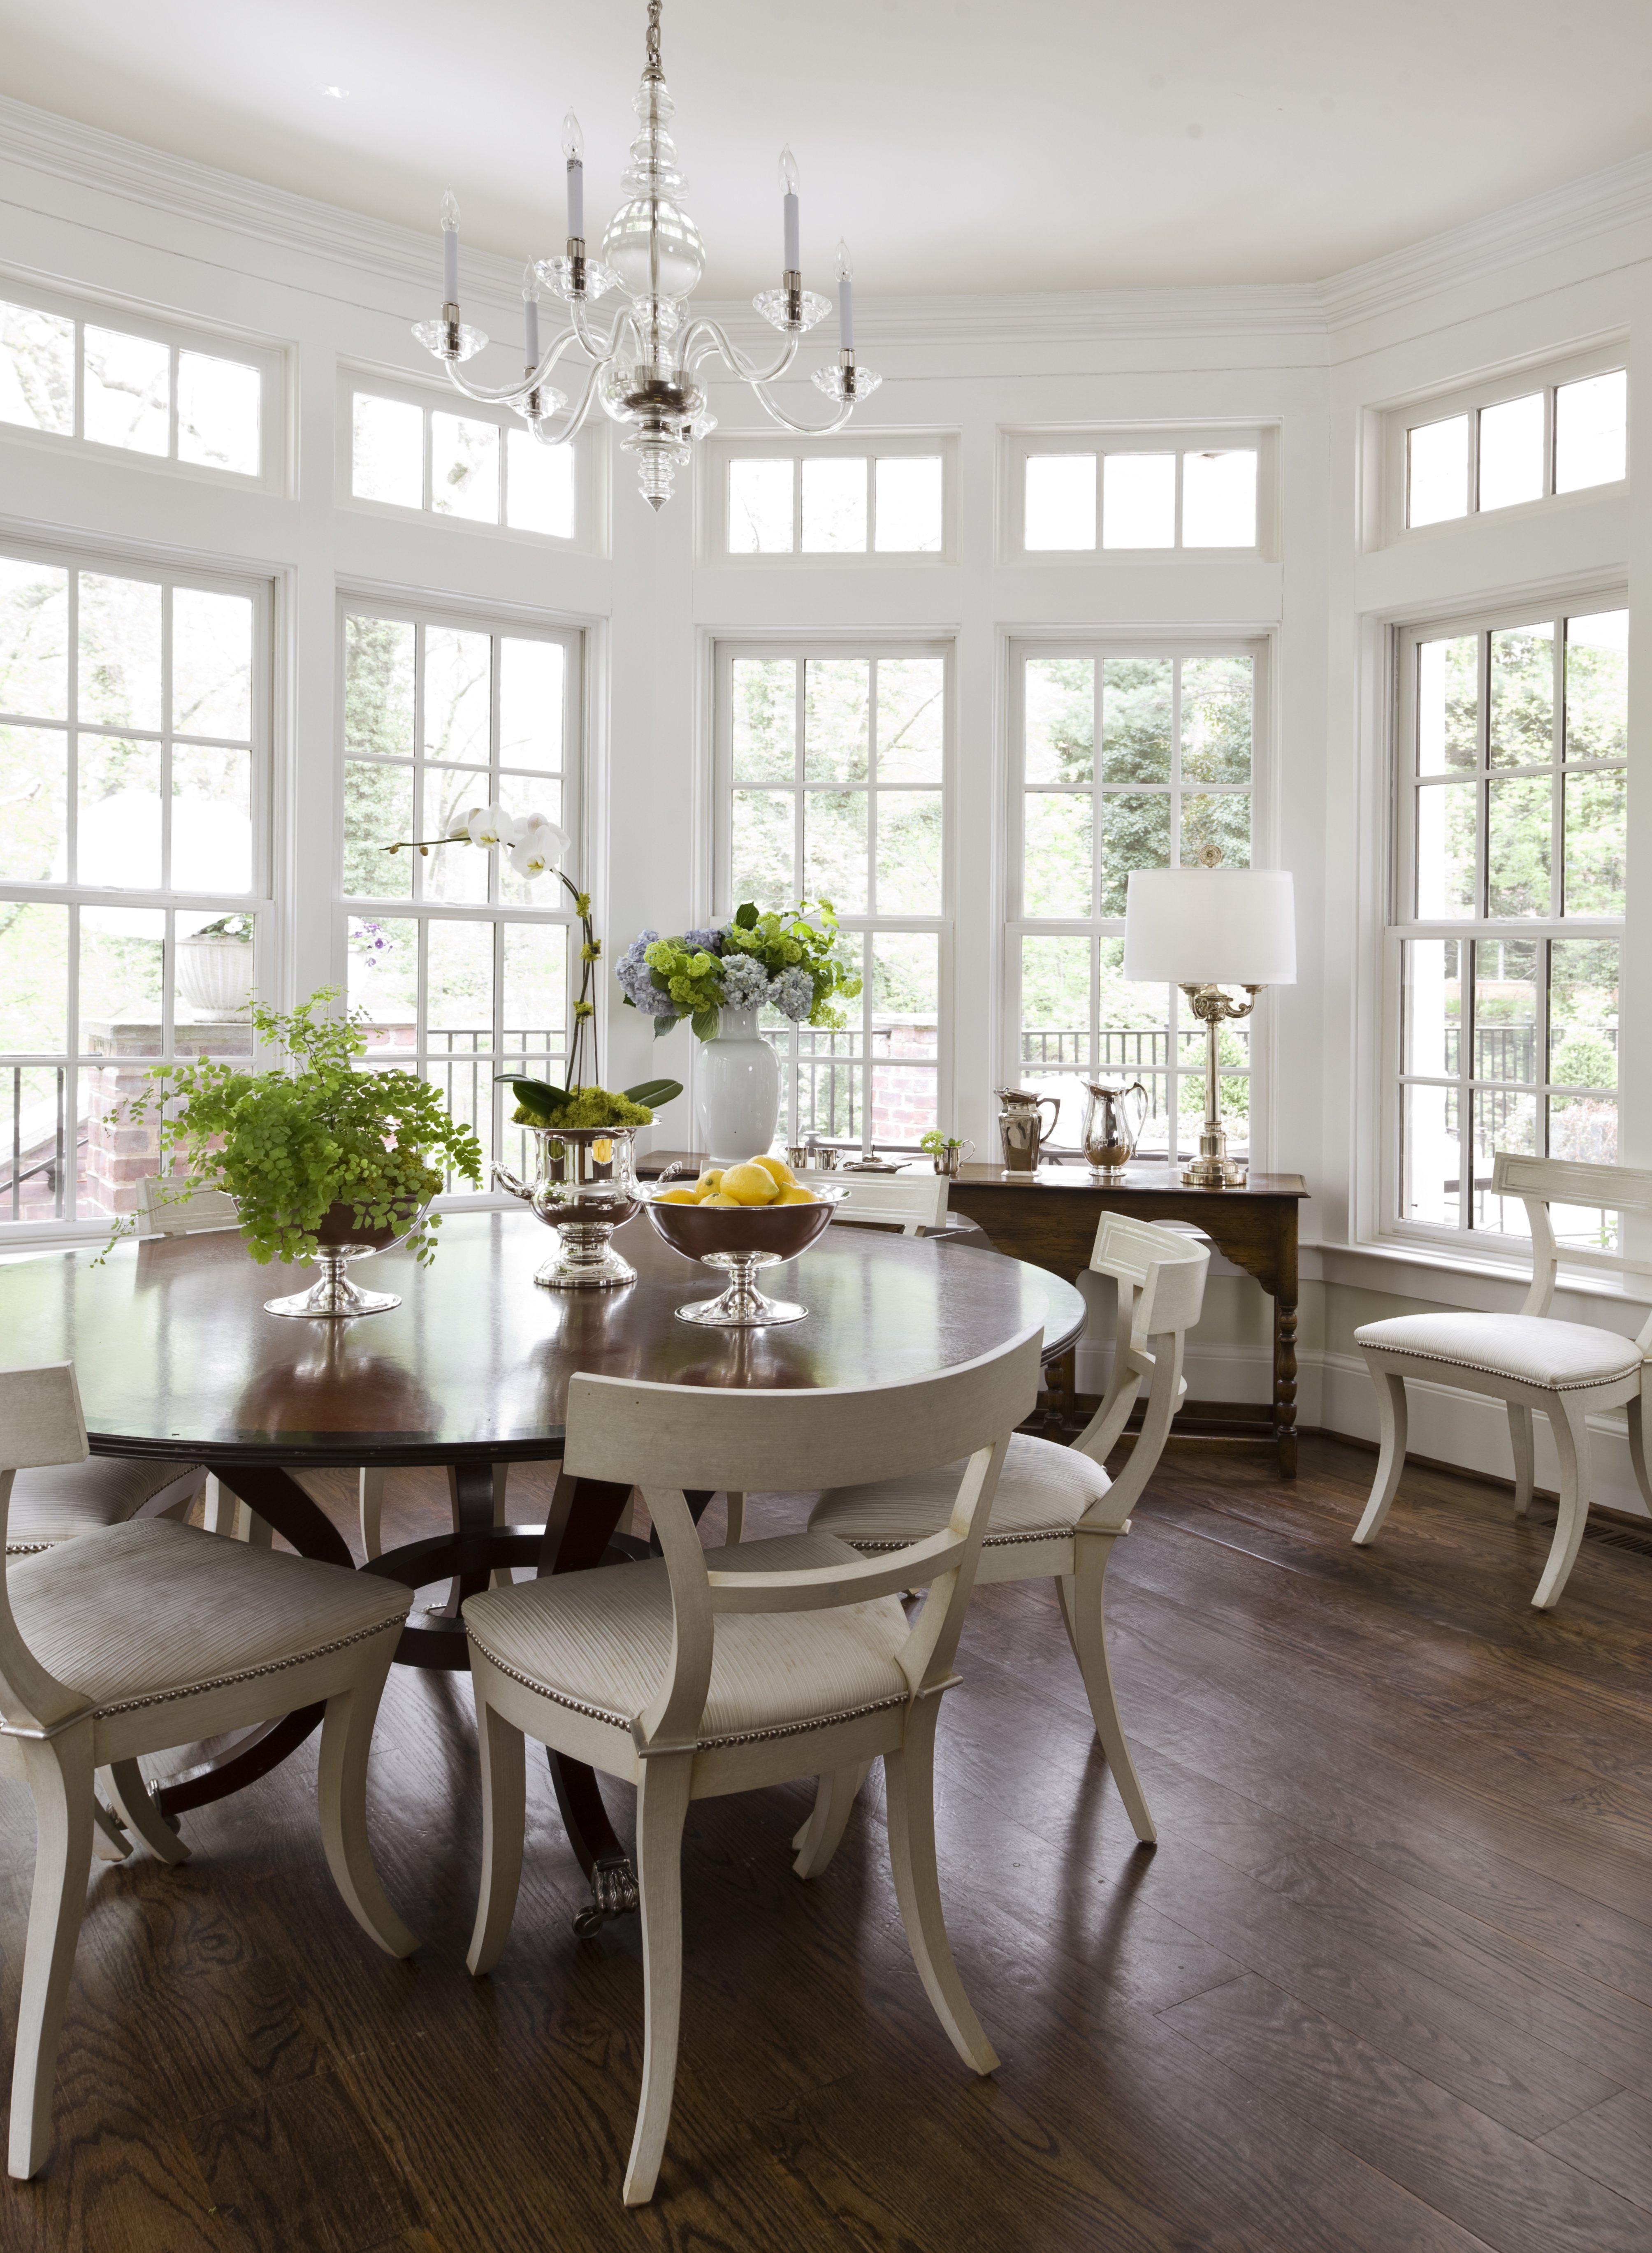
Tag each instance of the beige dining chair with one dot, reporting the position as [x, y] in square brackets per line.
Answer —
[1566, 1370]
[162, 1212]
[140, 1637]
[1056, 1511]
[708, 1671]
[915, 1204]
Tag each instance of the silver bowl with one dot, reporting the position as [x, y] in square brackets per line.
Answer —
[339, 1239]
[741, 1241]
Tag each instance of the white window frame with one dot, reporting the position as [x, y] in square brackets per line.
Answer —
[1019, 445]
[1488, 1244]
[1261, 649]
[259, 903]
[589, 535]
[558, 910]
[1471, 399]
[712, 496]
[271, 361]
[805, 647]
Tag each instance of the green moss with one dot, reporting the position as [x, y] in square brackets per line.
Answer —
[585, 1107]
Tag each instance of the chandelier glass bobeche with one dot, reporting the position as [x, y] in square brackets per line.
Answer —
[643, 370]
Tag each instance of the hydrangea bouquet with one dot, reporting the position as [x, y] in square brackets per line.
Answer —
[791, 963]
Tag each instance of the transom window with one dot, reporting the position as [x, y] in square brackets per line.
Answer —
[134, 857]
[1126, 759]
[479, 464]
[1523, 439]
[888, 497]
[453, 956]
[1155, 490]
[836, 764]
[141, 388]
[1512, 898]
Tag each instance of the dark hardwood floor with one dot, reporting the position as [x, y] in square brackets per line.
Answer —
[1385, 1984]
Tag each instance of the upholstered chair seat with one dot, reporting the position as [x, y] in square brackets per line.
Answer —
[1043, 1490]
[1530, 1349]
[65, 1499]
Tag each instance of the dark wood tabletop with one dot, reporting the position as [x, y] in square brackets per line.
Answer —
[176, 1354]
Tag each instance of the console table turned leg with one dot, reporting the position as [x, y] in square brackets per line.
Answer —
[1285, 1385]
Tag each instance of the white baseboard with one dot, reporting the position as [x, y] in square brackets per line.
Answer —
[1335, 1393]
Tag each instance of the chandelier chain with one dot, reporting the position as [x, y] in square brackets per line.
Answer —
[654, 70]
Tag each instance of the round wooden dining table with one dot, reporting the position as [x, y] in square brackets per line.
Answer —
[177, 1357]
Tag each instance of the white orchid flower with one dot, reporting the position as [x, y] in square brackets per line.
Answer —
[490, 825]
[539, 848]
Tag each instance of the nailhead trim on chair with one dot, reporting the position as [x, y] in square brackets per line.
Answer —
[250, 1673]
[702, 1744]
[29, 1548]
[992, 1541]
[1487, 1369]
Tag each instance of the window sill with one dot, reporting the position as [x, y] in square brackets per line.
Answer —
[1447, 1278]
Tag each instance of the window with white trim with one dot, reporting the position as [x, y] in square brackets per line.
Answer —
[461, 965]
[1139, 492]
[834, 761]
[871, 498]
[1511, 898]
[143, 388]
[134, 856]
[1512, 440]
[1125, 755]
[412, 449]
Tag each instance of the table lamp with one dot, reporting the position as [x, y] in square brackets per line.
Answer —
[1191, 927]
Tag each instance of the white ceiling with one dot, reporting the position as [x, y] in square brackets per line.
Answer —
[959, 144]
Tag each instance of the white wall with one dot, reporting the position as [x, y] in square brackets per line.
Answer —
[88, 213]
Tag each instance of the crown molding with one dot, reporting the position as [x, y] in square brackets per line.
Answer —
[1619, 196]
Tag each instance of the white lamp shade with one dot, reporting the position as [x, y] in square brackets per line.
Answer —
[1210, 926]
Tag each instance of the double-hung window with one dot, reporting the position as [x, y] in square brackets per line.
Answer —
[460, 964]
[1127, 756]
[834, 762]
[134, 857]
[1510, 900]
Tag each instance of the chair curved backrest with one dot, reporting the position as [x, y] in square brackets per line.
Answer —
[40, 1427]
[1160, 1277]
[664, 1438]
[908, 1202]
[1539, 1182]
[163, 1209]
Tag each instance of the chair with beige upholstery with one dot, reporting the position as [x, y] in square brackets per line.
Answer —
[140, 1637]
[708, 1671]
[915, 1204]
[1567, 1370]
[1056, 1511]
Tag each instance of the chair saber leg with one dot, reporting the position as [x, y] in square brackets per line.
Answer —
[341, 1791]
[370, 1505]
[820, 1837]
[1393, 1425]
[662, 1807]
[503, 1822]
[1520, 1436]
[59, 1774]
[1572, 1444]
[909, 1777]
[1083, 1609]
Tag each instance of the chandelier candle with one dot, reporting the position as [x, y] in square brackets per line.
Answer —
[530, 319]
[644, 362]
[846, 300]
[451, 249]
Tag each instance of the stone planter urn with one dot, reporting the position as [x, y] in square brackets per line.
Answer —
[215, 975]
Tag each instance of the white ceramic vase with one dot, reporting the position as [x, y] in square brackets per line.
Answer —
[215, 976]
[737, 1093]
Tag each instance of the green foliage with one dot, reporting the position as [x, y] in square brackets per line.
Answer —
[935, 1142]
[1584, 1059]
[290, 1143]
[807, 941]
[538, 1103]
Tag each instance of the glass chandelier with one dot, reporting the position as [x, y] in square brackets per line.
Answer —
[643, 371]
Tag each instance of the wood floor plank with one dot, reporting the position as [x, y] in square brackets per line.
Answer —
[1495, 2183]
[303, 2166]
[1613, 2144]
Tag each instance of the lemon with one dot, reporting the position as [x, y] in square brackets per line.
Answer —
[676, 1197]
[711, 1179]
[779, 1169]
[717, 1198]
[750, 1184]
[794, 1195]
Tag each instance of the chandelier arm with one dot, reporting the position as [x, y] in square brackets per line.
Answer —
[704, 332]
[581, 414]
[599, 351]
[801, 429]
[508, 394]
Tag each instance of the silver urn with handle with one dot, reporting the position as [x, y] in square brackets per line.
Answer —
[584, 1188]
[1113, 1120]
[1020, 1126]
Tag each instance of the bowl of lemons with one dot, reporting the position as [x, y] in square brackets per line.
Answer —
[740, 1219]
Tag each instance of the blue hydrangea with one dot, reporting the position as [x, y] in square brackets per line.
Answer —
[745, 982]
[638, 979]
[703, 942]
[793, 993]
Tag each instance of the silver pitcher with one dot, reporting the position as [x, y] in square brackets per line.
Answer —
[1021, 1127]
[1113, 1120]
[584, 1187]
